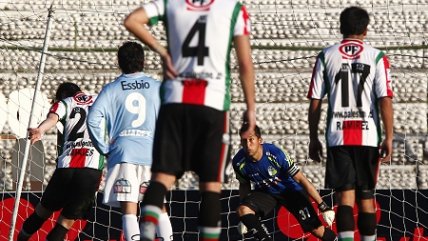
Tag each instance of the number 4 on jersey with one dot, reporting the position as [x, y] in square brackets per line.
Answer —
[200, 50]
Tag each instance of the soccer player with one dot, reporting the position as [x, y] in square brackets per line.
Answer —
[192, 129]
[129, 107]
[276, 180]
[356, 78]
[76, 179]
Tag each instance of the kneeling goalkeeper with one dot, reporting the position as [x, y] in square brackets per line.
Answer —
[276, 180]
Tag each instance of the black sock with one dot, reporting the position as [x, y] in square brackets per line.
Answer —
[30, 226]
[209, 214]
[155, 194]
[57, 233]
[328, 235]
[253, 224]
[345, 218]
[367, 223]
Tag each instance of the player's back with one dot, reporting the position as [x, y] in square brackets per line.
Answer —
[77, 149]
[131, 104]
[356, 75]
[200, 35]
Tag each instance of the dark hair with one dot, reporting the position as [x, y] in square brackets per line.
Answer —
[245, 127]
[65, 90]
[353, 20]
[131, 57]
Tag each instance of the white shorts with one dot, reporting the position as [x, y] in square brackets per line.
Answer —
[126, 182]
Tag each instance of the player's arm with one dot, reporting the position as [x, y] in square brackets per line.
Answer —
[96, 122]
[136, 23]
[35, 134]
[308, 186]
[387, 114]
[314, 114]
[327, 213]
[246, 75]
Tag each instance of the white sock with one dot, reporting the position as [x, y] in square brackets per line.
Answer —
[130, 227]
[164, 229]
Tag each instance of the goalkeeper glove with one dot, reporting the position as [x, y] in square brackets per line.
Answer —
[242, 229]
[327, 213]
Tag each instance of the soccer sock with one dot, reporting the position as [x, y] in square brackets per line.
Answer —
[30, 226]
[164, 229]
[151, 210]
[253, 224]
[130, 227]
[57, 233]
[209, 216]
[367, 226]
[328, 235]
[345, 223]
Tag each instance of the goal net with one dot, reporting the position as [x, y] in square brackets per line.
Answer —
[286, 37]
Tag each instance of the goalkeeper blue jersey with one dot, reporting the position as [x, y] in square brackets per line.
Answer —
[122, 120]
[272, 174]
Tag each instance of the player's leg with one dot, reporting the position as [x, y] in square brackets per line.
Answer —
[52, 200]
[367, 163]
[341, 176]
[164, 228]
[153, 203]
[80, 197]
[255, 205]
[299, 204]
[34, 222]
[208, 158]
[166, 166]
[209, 211]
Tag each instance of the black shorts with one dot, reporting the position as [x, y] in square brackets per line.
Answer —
[297, 203]
[191, 138]
[73, 190]
[352, 167]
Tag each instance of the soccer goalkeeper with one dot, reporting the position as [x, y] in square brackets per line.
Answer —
[276, 180]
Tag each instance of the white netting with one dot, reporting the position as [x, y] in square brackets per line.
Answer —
[287, 35]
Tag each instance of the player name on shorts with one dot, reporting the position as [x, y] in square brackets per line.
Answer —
[137, 84]
[352, 124]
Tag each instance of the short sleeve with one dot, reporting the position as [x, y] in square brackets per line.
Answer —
[317, 88]
[242, 26]
[383, 83]
[59, 108]
[155, 11]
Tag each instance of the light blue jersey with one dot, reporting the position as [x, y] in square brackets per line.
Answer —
[122, 120]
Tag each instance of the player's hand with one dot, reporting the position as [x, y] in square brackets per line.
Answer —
[250, 118]
[242, 229]
[386, 151]
[315, 150]
[34, 135]
[168, 67]
[327, 213]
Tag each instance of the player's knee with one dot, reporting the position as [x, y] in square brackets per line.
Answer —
[365, 194]
[244, 210]
[345, 218]
[367, 223]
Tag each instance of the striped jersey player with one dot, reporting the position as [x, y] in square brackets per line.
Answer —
[354, 75]
[192, 128]
[77, 148]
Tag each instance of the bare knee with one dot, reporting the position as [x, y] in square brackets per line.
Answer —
[244, 210]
